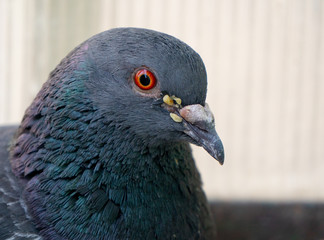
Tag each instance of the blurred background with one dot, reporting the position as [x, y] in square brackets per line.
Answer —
[265, 64]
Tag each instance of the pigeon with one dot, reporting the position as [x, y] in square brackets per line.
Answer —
[103, 150]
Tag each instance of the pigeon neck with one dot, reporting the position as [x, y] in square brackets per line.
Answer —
[96, 176]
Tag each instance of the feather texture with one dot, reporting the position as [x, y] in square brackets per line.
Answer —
[96, 160]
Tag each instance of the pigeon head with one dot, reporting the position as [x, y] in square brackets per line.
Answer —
[105, 141]
[148, 82]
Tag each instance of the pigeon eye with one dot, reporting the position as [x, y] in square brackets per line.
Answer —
[144, 79]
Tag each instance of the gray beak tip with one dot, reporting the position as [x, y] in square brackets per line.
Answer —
[220, 157]
[215, 149]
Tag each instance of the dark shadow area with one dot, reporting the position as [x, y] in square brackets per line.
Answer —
[275, 221]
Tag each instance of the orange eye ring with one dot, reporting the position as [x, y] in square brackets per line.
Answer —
[145, 79]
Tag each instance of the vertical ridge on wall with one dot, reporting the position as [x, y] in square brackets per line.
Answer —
[4, 19]
[319, 100]
[15, 45]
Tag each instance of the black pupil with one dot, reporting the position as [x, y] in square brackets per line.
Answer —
[145, 80]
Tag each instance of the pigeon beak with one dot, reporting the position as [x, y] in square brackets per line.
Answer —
[200, 126]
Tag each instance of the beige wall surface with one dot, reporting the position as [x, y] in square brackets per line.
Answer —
[265, 64]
